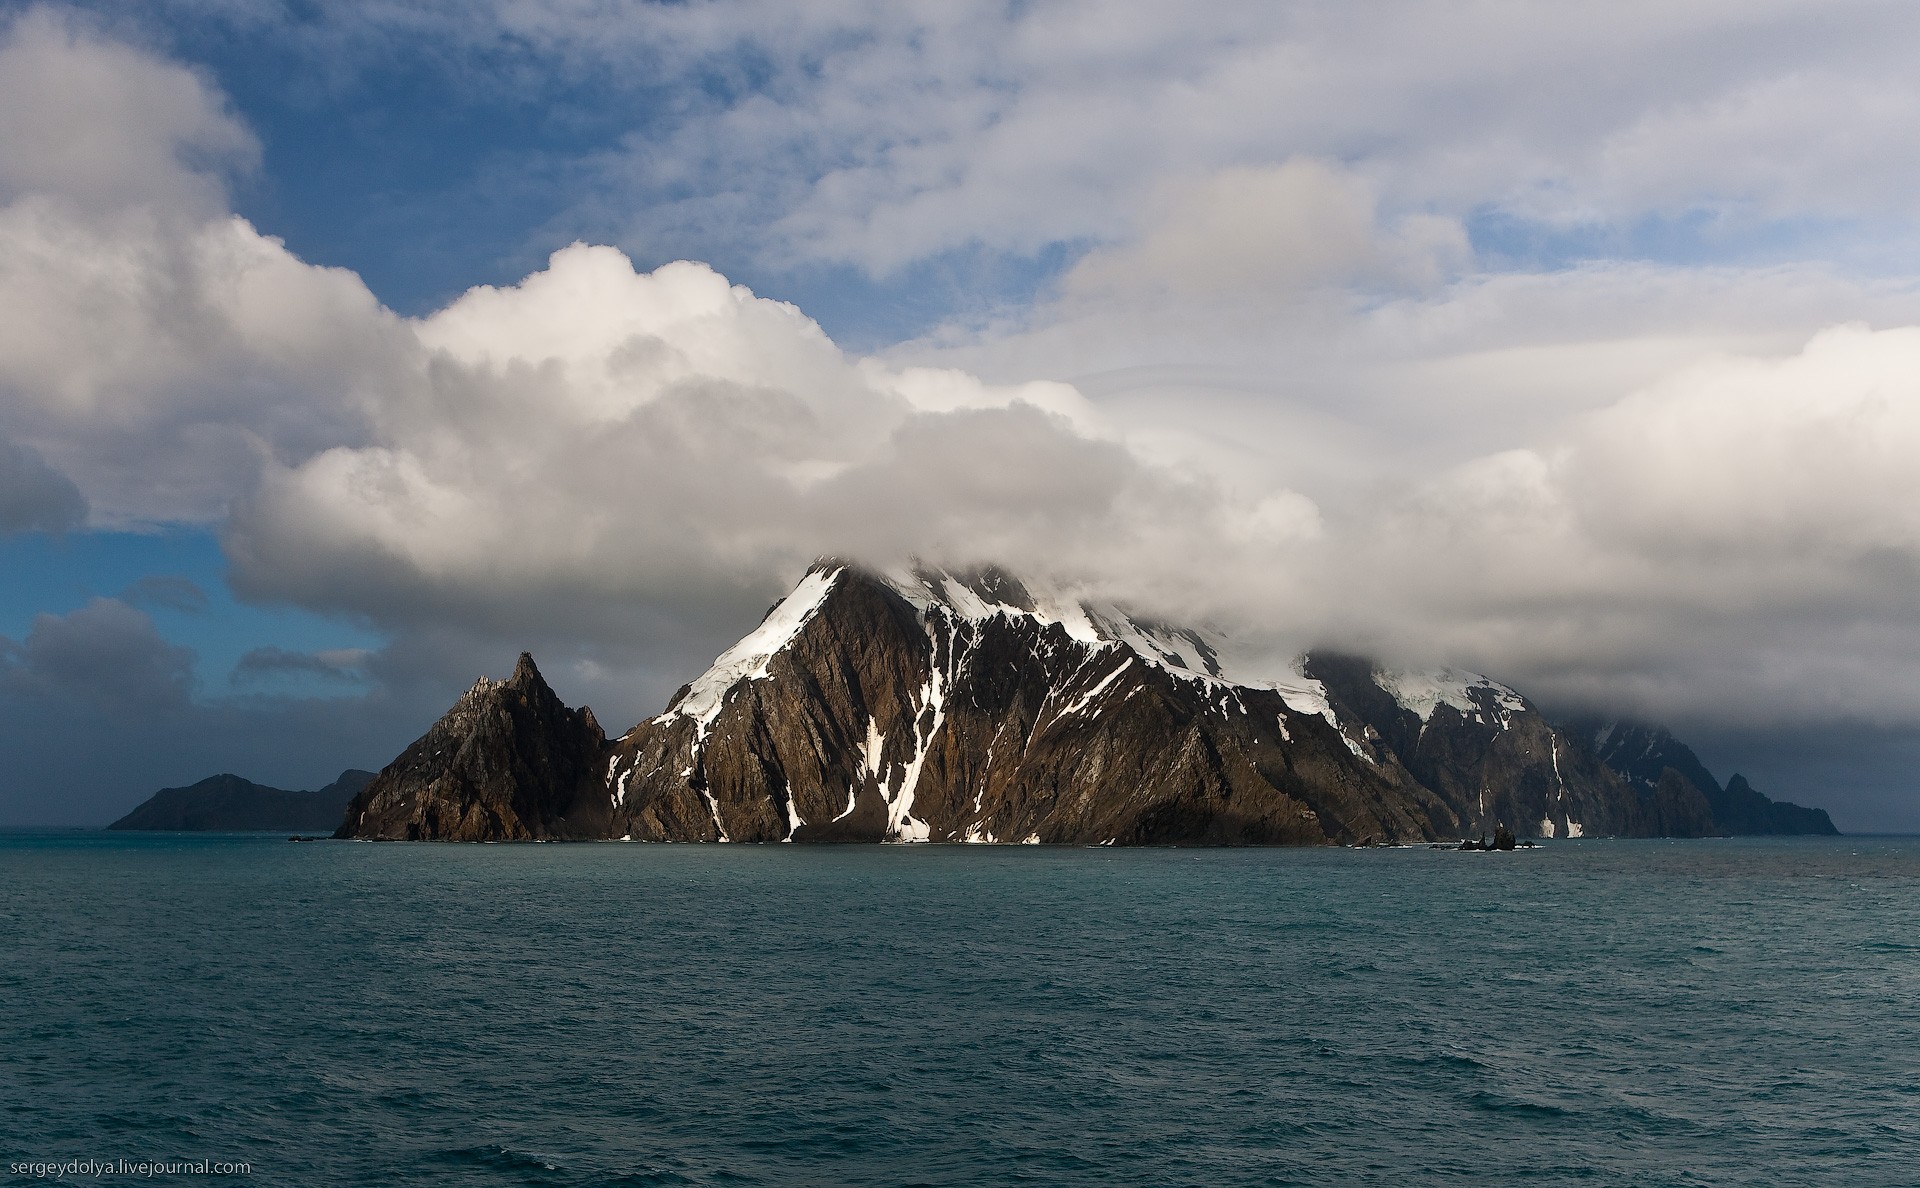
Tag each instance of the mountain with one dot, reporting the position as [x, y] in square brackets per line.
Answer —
[509, 762]
[966, 708]
[1650, 757]
[1480, 744]
[227, 803]
[935, 705]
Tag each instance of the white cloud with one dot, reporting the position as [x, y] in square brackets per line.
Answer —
[594, 440]
[884, 135]
[1738, 540]
[1270, 234]
[108, 126]
[153, 347]
[910, 133]
[158, 362]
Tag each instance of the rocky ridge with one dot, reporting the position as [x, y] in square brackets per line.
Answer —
[1651, 757]
[934, 705]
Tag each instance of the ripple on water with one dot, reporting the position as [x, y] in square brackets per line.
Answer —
[1650, 1013]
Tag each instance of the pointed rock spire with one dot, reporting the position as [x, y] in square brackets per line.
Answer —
[510, 761]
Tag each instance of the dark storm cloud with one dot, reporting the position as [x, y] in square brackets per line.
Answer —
[266, 663]
[34, 496]
[105, 657]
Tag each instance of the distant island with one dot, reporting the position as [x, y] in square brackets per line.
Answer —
[934, 705]
[227, 803]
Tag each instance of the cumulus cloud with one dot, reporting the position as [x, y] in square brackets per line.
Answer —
[107, 126]
[104, 658]
[595, 458]
[596, 443]
[1737, 540]
[154, 348]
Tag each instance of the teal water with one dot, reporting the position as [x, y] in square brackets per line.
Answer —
[1593, 1012]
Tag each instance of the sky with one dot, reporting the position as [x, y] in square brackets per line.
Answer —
[347, 350]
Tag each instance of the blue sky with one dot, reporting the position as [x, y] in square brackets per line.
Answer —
[178, 578]
[1576, 346]
[428, 168]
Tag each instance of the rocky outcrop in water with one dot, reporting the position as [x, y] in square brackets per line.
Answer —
[228, 804]
[509, 762]
[968, 706]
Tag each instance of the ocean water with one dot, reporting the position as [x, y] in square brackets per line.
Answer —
[1591, 1012]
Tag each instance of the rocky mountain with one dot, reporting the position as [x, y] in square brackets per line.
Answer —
[1486, 749]
[509, 762]
[1650, 757]
[227, 803]
[931, 705]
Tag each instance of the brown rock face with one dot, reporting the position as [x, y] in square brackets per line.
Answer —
[889, 714]
[509, 762]
[1495, 760]
[967, 707]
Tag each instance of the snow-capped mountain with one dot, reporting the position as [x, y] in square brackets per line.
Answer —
[934, 705]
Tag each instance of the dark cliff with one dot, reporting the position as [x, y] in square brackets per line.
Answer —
[1650, 757]
[509, 762]
[1495, 759]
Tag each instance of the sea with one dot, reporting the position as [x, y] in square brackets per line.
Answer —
[1588, 1012]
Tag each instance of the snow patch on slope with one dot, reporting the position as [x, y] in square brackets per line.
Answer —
[748, 660]
[1190, 654]
[1104, 684]
[1425, 690]
[930, 709]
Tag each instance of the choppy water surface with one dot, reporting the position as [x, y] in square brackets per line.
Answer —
[1718, 1012]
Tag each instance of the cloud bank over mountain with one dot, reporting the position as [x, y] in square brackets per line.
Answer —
[1307, 372]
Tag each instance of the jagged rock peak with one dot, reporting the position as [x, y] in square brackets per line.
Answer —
[508, 761]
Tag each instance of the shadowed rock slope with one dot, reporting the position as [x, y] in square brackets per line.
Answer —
[509, 762]
[1650, 757]
[967, 706]
[227, 803]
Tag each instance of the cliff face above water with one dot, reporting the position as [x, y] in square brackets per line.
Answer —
[969, 706]
[509, 762]
[1650, 756]
[866, 710]
[229, 804]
